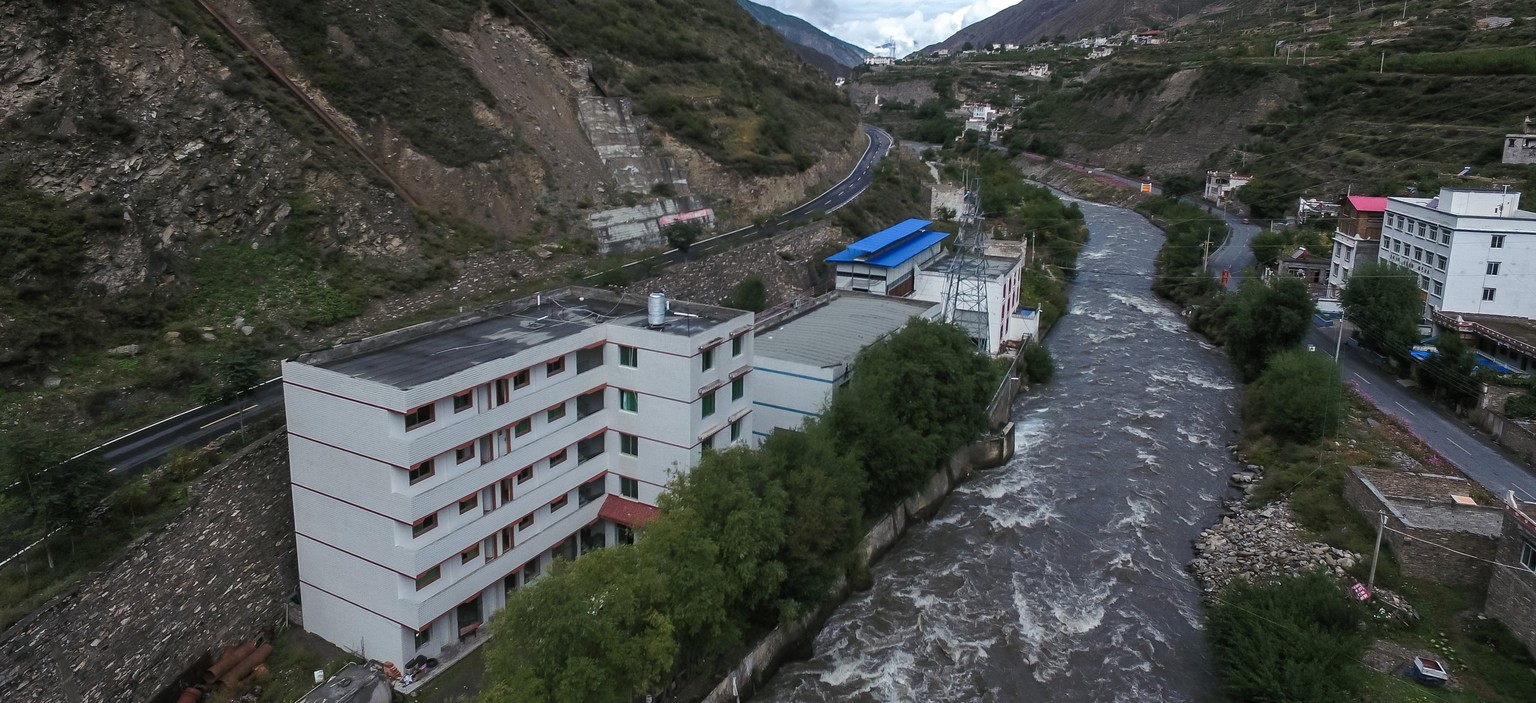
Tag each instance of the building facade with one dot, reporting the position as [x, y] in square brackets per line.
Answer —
[886, 262]
[1521, 148]
[1357, 238]
[1220, 185]
[1473, 250]
[435, 469]
[1512, 591]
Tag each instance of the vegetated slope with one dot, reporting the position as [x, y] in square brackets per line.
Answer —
[707, 72]
[803, 33]
[1035, 19]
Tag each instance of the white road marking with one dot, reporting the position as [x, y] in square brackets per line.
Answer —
[226, 417]
[1362, 378]
[1458, 446]
[1405, 408]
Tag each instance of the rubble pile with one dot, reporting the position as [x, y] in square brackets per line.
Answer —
[1256, 543]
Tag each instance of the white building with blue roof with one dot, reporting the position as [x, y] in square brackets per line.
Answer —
[886, 262]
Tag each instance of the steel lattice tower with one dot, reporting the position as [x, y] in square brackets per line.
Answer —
[965, 302]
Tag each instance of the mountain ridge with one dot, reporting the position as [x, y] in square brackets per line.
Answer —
[804, 34]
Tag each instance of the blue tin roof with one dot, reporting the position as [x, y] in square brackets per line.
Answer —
[888, 236]
[893, 256]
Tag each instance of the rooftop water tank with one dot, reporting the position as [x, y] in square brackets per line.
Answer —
[656, 310]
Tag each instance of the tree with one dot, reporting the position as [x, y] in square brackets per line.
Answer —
[1300, 396]
[824, 515]
[592, 630]
[1038, 365]
[750, 294]
[1268, 246]
[1450, 372]
[915, 397]
[1384, 302]
[939, 130]
[44, 487]
[1273, 195]
[681, 235]
[1178, 185]
[1266, 319]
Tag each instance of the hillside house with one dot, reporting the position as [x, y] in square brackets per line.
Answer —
[1521, 148]
[1512, 592]
[1220, 185]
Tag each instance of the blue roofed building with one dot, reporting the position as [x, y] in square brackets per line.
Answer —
[886, 262]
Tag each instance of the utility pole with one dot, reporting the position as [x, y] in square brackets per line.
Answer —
[1205, 264]
[1338, 342]
[1383, 68]
[1370, 584]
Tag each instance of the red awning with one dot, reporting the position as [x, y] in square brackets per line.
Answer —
[626, 512]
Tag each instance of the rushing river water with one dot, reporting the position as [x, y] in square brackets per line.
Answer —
[1060, 576]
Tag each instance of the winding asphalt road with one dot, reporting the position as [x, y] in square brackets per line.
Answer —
[199, 425]
[1477, 456]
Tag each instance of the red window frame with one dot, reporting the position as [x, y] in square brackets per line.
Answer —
[424, 525]
[464, 453]
[430, 412]
[469, 502]
[555, 366]
[429, 577]
[467, 396]
[416, 474]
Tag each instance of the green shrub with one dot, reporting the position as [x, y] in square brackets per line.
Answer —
[1299, 397]
[1295, 640]
[1038, 365]
[1521, 407]
[750, 294]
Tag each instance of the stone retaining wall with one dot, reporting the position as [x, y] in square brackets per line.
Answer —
[1512, 593]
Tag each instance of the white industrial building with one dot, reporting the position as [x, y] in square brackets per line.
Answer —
[438, 467]
[1007, 325]
[803, 358]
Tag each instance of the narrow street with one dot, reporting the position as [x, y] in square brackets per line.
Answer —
[1469, 450]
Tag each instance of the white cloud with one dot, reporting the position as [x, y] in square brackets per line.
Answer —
[909, 24]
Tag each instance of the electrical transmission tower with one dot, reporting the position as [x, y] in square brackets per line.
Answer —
[965, 304]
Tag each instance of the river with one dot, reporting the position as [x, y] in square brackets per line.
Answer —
[1060, 576]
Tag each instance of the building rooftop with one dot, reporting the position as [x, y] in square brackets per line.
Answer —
[1431, 502]
[894, 255]
[427, 352]
[995, 266]
[888, 236]
[836, 332]
[1368, 203]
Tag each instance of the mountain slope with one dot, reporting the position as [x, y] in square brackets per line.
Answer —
[802, 33]
[1033, 19]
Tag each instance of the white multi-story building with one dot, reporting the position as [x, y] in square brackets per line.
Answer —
[1220, 185]
[436, 468]
[1474, 250]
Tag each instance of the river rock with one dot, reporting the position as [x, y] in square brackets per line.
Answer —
[125, 350]
[1259, 544]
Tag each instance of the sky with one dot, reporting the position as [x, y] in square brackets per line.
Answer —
[910, 24]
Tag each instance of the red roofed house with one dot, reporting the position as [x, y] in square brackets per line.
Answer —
[1357, 238]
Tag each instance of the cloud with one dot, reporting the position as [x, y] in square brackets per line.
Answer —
[906, 23]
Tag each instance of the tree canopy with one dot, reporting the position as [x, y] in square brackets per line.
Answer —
[1266, 319]
[1384, 302]
[914, 398]
[1299, 397]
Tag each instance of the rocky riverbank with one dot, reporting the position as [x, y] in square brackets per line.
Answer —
[1260, 542]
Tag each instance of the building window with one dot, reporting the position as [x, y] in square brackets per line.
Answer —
[418, 417]
[736, 431]
[1488, 294]
[1528, 555]
[558, 457]
[708, 405]
[526, 522]
[525, 475]
[424, 637]
[523, 426]
[531, 570]
[1497, 242]
[736, 344]
[708, 359]
[470, 554]
[1493, 268]
[464, 453]
[738, 388]
[463, 401]
[1440, 263]
[629, 401]
[629, 356]
[421, 472]
[428, 577]
[469, 502]
[520, 379]
[555, 413]
[629, 444]
[424, 525]
[1439, 288]
[1418, 254]
[554, 367]
[501, 392]
[558, 503]
[708, 443]
[629, 488]
[1445, 236]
